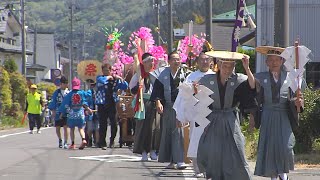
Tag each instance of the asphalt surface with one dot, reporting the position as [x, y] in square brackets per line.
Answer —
[37, 157]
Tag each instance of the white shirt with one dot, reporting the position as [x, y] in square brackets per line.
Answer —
[186, 110]
[134, 81]
[64, 92]
[197, 75]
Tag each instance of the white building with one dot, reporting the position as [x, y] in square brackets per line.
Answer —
[10, 41]
[304, 24]
[45, 55]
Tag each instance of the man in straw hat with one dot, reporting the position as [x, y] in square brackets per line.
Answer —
[221, 153]
[54, 105]
[276, 140]
[33, 108]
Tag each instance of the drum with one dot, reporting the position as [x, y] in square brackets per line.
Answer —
[125, 116]
[124, 107]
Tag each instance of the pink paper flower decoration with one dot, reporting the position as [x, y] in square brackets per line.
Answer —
[144, 34]
[124, 58]
[159, 53]
[196, 42]
[117, 69]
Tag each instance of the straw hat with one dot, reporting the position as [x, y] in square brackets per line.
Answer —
[270, 50]
[226, 55]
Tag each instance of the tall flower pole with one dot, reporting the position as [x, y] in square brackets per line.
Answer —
[190, 46]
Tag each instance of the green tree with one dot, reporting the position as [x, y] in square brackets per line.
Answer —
[10, 65]
[48, 87]
[198, 19]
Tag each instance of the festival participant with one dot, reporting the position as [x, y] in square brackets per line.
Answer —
[204, 63]
[106, 99]
[221, 153]
[276, 140]
[144, 141]
[92, 120]
[165, 91]
[54, 105]
[75, 104]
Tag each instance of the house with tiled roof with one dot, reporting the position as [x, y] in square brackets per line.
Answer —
[10, 31]
[10, 43]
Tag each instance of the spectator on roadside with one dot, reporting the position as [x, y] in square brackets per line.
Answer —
[33, 108]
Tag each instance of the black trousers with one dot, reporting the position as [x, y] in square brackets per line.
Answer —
[33, 120]
[105, 112]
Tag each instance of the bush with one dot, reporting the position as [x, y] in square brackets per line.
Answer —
[48, 87]
[8, 121]
[308, 130]
[5, 91]
[10, 65]
[19, 89]
[251, 146]
[251, 53]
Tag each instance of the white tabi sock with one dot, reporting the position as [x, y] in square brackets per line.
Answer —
[283, 176]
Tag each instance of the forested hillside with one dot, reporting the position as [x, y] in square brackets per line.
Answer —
[91, 15]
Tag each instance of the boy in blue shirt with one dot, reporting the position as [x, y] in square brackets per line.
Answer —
[54, 105]
[92, 121]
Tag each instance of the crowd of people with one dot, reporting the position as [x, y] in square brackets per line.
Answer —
[211, 103]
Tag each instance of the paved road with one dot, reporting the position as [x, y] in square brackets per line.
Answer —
[36, 157]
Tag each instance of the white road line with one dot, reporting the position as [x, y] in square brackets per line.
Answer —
[187, 173]
[110, 158]
[24, 132]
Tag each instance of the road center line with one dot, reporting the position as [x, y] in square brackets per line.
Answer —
[24, 132]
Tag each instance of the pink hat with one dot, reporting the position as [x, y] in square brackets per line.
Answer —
[76, 83]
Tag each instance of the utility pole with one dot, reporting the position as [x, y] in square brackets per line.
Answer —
[83, 42]
[170, 26]
[209, 21]
[35, 34]
[71, 7]
[281, 23]
[23, 38]
[157, 6]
